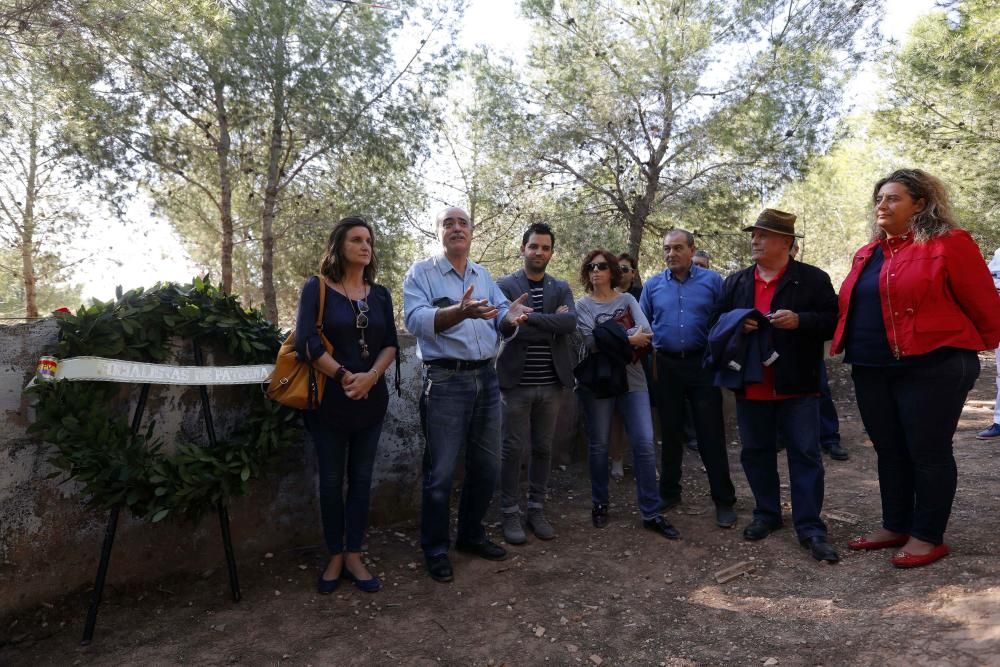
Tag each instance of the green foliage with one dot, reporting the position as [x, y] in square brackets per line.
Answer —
[91, 439]
[236, 115]
[834, 201]
[640, 113]
[943, 105]
[39, 207]
[48, 270]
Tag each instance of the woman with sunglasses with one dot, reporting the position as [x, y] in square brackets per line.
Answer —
[598, 314]
[358, 320]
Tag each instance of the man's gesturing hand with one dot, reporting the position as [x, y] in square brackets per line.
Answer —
[518, 312]
[476, 308]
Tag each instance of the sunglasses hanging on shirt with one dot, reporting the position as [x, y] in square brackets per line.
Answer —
[360, 321]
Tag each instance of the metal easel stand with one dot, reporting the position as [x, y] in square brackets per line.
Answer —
[112, 527]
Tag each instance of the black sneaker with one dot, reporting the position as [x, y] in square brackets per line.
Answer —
[485, 549]
[820, 549]
[439, 567]
[599, 514]
[758, 530]
[836, 451]
[660, 525]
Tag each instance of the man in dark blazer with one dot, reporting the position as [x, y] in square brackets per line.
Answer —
[799, 302]
[533, 367]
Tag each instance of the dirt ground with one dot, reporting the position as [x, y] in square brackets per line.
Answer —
[619, 596]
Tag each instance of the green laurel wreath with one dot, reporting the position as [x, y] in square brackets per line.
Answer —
[87, 424]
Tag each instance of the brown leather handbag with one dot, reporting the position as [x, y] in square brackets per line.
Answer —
[296, 383]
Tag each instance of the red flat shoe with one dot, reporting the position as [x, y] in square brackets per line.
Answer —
[903, 559]
[864, 544]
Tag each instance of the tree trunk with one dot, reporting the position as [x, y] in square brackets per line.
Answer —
[28, 221]
[225, 182]
[640, 213]
[273, 170]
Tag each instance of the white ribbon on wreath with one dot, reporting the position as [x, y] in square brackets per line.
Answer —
[102, 369]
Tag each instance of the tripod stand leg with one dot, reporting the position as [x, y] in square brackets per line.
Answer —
[102, 573]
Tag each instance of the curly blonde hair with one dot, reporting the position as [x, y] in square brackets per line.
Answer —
[936, 218]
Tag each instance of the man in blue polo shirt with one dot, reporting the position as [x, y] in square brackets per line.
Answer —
[457, 312]
[679, 303]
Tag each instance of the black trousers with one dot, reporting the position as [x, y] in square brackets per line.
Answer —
[685, 378]
[911, 413]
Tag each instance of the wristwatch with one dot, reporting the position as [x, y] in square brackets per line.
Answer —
[339, 375]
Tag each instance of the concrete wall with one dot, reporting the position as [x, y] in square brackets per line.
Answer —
[50, 540]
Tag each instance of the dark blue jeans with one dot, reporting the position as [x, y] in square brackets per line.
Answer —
[335, 450]
[458, 408]
[634, 409]
[796, 421]
[911, 413]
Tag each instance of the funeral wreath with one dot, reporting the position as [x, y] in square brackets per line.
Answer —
[87, 423]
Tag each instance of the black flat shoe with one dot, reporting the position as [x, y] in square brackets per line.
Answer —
[599, 515]
[758, 530]
[439, 567]
[484, 549]
[660, 525]
[326, 586]
[836, 451]
[725, 516]
[820, 548]
[367, 585]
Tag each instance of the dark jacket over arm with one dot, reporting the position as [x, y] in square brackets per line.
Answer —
[806, 291]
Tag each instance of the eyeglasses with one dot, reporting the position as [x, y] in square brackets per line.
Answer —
[625, 268]
[361, 321]
[598, 266]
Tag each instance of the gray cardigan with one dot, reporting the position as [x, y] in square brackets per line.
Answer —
[541, 327]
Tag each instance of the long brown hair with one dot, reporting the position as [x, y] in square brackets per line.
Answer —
[936, 218]
[333, 261]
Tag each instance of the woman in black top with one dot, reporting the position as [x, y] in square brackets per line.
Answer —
[358, 320]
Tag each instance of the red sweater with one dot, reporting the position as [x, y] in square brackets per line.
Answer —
[934, 294]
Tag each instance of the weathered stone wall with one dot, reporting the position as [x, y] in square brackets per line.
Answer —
[50, 539]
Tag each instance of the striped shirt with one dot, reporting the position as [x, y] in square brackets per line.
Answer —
[538, 367]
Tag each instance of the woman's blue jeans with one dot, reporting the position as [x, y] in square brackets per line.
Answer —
[336, 450]
[635, 412]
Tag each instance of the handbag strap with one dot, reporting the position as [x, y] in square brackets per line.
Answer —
[322, 304]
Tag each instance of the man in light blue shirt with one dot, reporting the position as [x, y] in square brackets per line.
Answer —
[679, 303]
[457, 314]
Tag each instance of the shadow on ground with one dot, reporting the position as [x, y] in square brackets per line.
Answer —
[619, 596]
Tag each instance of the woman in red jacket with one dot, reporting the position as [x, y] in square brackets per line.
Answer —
[915, 308]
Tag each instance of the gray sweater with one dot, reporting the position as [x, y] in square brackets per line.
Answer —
[590, 313]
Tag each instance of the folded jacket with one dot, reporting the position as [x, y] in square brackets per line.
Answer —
[738, 358]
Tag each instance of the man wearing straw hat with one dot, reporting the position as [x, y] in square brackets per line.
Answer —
[800, 312]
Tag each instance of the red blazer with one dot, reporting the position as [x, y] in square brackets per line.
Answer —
[934, 294]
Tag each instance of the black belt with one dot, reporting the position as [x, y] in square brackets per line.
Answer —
[696, 353]
[457, 364]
